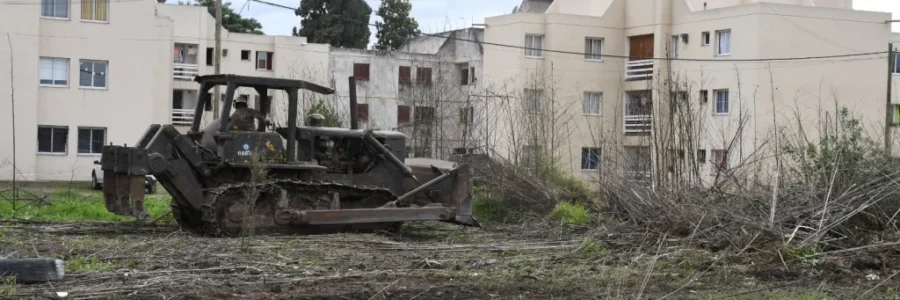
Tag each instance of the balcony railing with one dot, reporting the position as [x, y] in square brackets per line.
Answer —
[182, 117]
[638, 124]
[185, 71]
[639, 69]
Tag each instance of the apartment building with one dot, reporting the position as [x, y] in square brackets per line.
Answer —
[94, 72]
[620, 105]
[428, 89]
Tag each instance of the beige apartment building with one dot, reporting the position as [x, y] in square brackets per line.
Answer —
[93, 72]
[653, 88]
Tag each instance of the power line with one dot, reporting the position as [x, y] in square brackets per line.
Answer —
[608, 55]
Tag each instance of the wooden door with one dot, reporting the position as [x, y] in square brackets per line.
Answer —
[641, 47]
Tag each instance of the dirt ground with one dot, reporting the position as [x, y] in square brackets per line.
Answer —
[423, 261]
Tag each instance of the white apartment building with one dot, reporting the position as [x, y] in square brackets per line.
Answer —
[599, 68]
[94, 72]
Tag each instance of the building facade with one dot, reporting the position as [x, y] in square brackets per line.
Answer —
[650, 89]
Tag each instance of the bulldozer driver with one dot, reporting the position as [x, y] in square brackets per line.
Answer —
[243, 117]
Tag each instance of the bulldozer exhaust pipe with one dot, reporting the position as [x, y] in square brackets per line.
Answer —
[354, 105]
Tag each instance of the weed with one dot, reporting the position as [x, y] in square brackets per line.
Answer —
[805, 254]
[592, 250]
[81, 264]
[571, 213]
[485, 207]
[9, 285]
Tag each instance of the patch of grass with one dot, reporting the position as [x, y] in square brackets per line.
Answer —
[592, 250]
[484, 207]
[571, 213]
[9, 285]
[804, 254]
[79, 205]
[81, 264]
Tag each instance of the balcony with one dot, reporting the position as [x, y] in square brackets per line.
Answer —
[639, 69]
[182, 117]
[638, 124]
[185, 71]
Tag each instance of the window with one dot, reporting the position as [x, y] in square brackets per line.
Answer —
[674, 46]
[463, 74]
[405, 74]
[92, 73]
[423, 75]
[264, 60]
[55, 9]
[209, 56]
[701, 156]
[472, 70]
[896, 63]
[895, 115]
[593, 48]
[54, 71]
[362, 112]
[361, 72]
[224, 52]
[592, 103]
[704, 38]
[533, 100]
[91, 140]
[177, 99]
[52, 139]
[530, 153]
[534, 45]
[721, 101]
[704, 96]
[720, 160]
[245, 55]
[402, 114]
[590, 158]
[466, 115]
[95, 10]
[424, 113]
[724, 42]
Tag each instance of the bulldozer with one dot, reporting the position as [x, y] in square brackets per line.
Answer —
[289, 179]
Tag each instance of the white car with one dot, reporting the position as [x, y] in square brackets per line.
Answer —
[97, 179]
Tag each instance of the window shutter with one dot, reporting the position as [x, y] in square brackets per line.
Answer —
[362, 112]
[896, 115]
[405, 74]
[423, 75]
[402, 114]
[269, 60]
[361, 71]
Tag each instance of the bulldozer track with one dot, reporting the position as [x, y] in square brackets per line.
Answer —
[212, 215]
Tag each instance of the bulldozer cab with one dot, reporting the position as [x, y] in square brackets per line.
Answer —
[237, 146]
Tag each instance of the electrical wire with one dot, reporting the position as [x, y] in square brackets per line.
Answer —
[610, 55]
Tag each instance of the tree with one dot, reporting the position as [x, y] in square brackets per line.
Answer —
[232, 21]
[340, 23]
[397, 27]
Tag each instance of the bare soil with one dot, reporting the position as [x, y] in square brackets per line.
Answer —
[424, 261]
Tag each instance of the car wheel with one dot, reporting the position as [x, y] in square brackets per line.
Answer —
[94, 182]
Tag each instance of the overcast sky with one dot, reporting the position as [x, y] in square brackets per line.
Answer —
[440, 15]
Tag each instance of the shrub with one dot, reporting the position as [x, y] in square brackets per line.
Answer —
[571, 213]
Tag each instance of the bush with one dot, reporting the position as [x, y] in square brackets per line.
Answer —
[571, 213]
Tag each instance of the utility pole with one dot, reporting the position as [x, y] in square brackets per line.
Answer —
[889, 114]
[217, 63]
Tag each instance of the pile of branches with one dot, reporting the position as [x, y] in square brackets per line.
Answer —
[837, 192]
[527, 190]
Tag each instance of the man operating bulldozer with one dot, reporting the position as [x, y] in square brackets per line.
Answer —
[244, 117]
